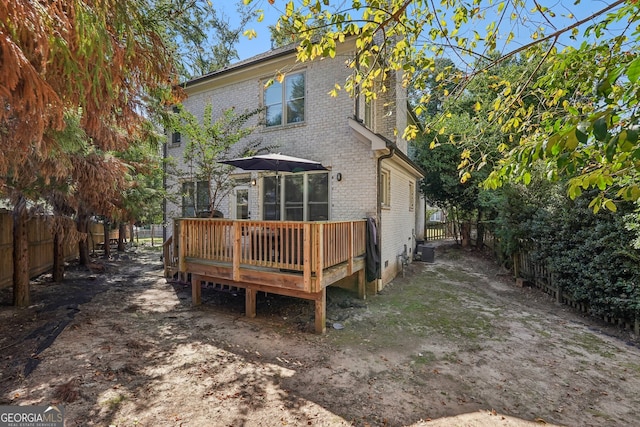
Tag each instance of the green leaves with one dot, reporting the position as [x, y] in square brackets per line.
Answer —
[211, 139]
[633, 71]
[572, 109]
[600, 129]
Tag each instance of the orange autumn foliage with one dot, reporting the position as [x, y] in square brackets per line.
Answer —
[100, 57]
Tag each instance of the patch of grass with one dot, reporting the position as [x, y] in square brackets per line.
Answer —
[600, 414]
[423, 358]
[573, 352]
[634, 367]
[115, 401]
[451, 358]
[543, 333]
[592, 344]
[425, 304]
[457, 276]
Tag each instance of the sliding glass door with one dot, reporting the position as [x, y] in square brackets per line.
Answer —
[296, 197]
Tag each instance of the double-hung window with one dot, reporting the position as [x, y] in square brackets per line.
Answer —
[188, 200]
[195, 198]
[176, 137]
[385, 189]
[284, 101]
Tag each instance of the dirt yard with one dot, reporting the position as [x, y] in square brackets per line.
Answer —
[452, 343]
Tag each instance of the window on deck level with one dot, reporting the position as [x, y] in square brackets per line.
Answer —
[299, 197]
[195, 198]
[188, 200]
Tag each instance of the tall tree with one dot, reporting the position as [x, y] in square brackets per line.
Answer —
[202, 36]
[101, 59]
[588, 132]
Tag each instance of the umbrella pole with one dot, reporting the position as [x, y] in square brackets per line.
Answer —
[279, 211]
[278, 207]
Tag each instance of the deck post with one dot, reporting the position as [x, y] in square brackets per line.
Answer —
[350, 249]
[237, 248]
[321, 311]
[196, 289]
[319, 255]
[362, 285]
[307, 265]
[182, 247]
[250, 302]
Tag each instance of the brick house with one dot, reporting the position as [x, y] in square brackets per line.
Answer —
[369, 173]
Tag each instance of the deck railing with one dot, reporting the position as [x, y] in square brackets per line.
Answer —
[284, 245]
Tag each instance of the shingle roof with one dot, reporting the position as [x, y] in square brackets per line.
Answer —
[270, 54]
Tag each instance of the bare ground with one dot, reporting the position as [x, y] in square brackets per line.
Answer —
[452, 343]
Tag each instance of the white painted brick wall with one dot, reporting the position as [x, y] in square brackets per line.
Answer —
[325, 136]
[398, 222]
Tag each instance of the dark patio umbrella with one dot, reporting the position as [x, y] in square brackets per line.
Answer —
[275, 162]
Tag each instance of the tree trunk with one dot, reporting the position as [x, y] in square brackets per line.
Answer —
[107, 246]
[122, 234]
[480, 231]
[21, 295]
[82, 225]
[466, 234]
[480, 239]
[58, 258]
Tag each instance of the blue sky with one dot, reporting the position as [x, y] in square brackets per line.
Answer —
[247, 48]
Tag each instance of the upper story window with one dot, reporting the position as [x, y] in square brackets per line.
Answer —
[368, 114]
[284, 101]
[176, 137]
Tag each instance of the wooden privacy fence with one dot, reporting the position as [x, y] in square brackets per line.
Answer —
[439, 230]
[538, 275]
[40, 247]
[95, 238]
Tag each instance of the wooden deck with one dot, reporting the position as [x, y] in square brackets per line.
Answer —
[298, 259]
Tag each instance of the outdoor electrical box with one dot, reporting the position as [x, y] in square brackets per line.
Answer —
[427, 253]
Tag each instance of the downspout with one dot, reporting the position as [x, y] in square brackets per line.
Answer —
[164, 188]
[356, 109]
[392, 151]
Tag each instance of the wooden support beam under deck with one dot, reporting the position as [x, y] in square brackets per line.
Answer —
[321, 311]
[362, 285]
[250, 302]
[293, 258]
[196, 289]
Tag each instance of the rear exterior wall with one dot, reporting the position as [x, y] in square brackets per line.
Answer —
[324, 136]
